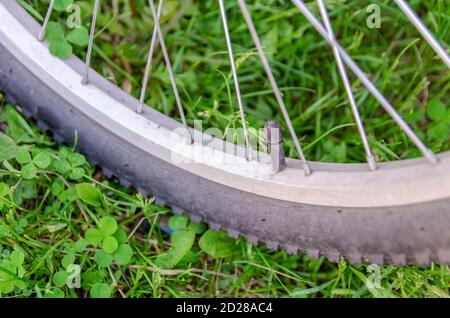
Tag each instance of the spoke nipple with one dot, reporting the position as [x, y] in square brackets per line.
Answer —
[274, 140]
[431, 157]
[85, 80]
[372, 162]
[307, 169]
[248, 152]
[189, 138]
[41, 35]
[140, 108]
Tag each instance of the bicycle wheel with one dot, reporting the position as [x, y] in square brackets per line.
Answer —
[397, 213]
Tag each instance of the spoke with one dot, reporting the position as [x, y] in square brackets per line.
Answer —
[248, 151]
[273, 83]
[366, 81]
[421, 27]
[169, 69]
[47, 18]
[85, 79]
[148, 67]
[326, 19]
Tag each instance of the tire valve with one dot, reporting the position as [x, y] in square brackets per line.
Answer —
[274, 141]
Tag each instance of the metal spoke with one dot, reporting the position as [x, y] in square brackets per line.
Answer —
[421, 27]
[276, 90]
[369, 156]
[366, 81]
[85, 79]
[169, 69]
[248, 151]
[47, 18]
[148, 67]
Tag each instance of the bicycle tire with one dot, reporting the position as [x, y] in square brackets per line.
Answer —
[400, 234]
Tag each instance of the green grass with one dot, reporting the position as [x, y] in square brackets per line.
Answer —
[50, 197]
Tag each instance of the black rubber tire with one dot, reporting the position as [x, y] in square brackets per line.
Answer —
[406, 234]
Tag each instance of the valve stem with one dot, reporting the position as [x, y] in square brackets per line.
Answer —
[274, 141]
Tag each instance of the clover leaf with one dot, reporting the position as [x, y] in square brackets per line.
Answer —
[54, 32]
[60, 45]
[28, 171]
[438, 113]
[217, 244]
[94, 237]
[79, 37]
[102, 258]
[23, 156]
[182, 241]
[110, 244]
[61, 48]
[107, 225]
[62, 5]
[436, 110]
[60, 277]
[42, 160]
[90, 195]
[69, 163]
[12, 272]
[29, 164]
[178, 222]
[55, 293]
[101, 290]
[112, 241]
[123, 254]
